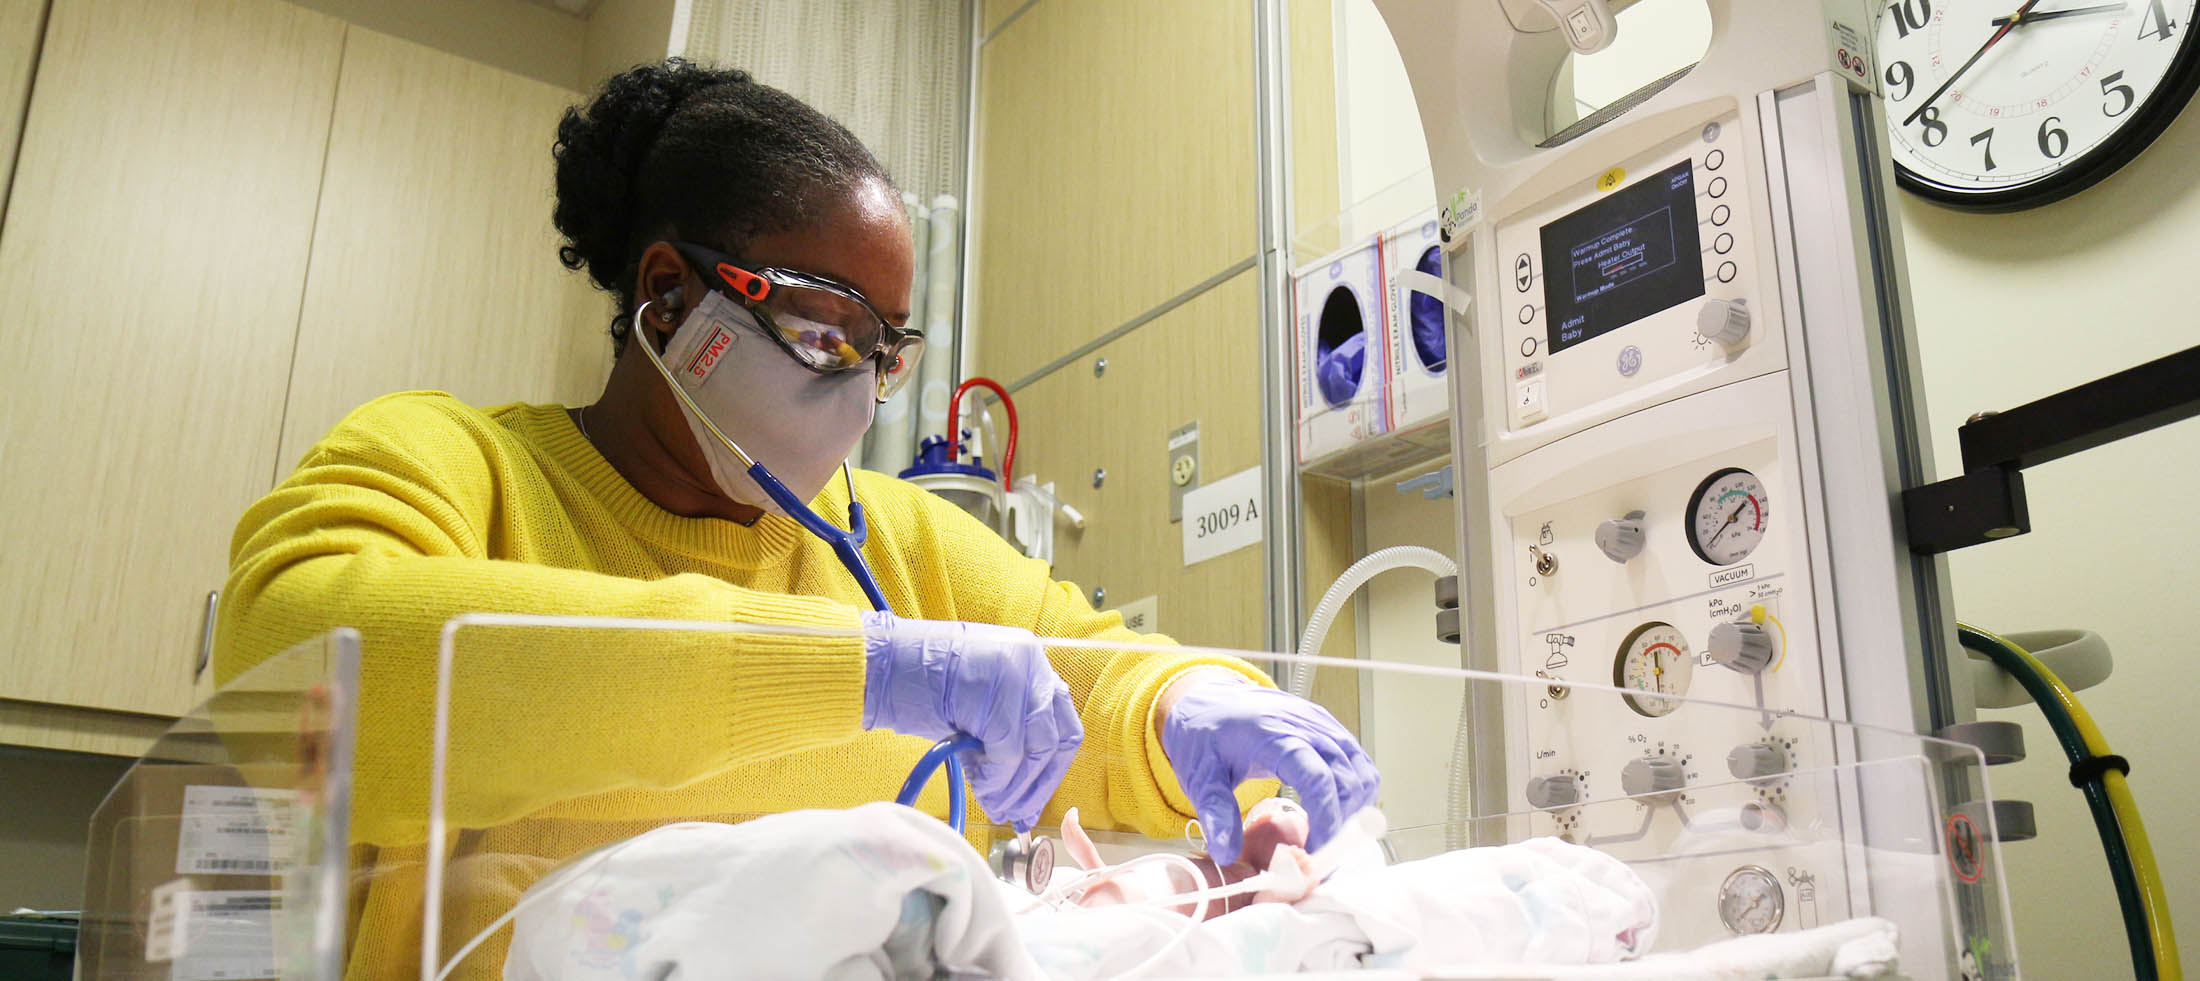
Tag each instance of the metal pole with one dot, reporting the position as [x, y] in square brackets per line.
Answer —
[966, 348]
[1272, 116]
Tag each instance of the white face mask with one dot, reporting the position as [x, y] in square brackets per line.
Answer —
[799, 424]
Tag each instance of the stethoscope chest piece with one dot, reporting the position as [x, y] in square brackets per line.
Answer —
[1025, 862]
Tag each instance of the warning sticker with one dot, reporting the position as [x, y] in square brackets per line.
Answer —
[1966, 853]
[1852, 55]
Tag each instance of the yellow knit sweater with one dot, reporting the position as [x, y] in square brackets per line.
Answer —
[418, 508]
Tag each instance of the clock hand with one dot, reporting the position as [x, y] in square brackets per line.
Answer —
[2055, 14]
[2006, 27]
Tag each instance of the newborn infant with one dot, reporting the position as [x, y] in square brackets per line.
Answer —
[1275, 831]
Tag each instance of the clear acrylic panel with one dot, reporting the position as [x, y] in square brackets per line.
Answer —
[701, 796]
[222, 853]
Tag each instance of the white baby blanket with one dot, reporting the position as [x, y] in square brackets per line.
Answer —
[884, 891]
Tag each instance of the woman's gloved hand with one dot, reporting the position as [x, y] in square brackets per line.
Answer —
[930, 678]
[1222, 732]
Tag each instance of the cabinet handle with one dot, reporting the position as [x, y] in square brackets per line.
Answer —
[206, 634]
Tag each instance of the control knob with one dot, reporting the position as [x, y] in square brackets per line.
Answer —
[1725, 323]
[1620, 539]
[1742, 646]
[1756, 761]
[1652, 775]
[1559, 790]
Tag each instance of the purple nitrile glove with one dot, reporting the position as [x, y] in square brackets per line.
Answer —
[1337, 372]
[930, 678]
[1221, 733]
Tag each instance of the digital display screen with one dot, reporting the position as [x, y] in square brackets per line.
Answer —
[1630, 255]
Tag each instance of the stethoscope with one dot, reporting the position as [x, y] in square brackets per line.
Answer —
[1023, 860]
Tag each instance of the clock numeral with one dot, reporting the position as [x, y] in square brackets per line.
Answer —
[2109, 87]
[1907, 79]
[2163, 26]
[1911, 15]
[1986, 136]
[2053, 141]
[1936, 132]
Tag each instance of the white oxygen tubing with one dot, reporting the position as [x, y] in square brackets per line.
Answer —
[1301, 681]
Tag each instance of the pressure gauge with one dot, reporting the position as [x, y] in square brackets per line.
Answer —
[1727, 515]
[1654, 661]
[1750, 900]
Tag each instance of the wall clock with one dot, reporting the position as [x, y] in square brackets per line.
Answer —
[2000, 105]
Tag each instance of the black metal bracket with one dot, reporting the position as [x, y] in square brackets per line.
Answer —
[1987, 502]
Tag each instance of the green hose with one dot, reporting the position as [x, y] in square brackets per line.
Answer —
[2120, 869]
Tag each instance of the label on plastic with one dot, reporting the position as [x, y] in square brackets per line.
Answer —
[227, 933]
[1223, 516]
[235, 830]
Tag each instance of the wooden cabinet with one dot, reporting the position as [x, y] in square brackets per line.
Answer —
[150, 268]
[232, 221]
[434, 261]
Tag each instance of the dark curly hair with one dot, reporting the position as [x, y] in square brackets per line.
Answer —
[679, 150]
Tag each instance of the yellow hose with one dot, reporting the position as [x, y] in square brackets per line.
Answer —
[2153, 897]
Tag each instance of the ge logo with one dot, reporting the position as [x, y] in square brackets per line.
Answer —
[1336, 269]
[1630, 360]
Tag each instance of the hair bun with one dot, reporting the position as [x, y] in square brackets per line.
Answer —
[600, 152]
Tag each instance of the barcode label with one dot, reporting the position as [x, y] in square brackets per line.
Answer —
[235, 830]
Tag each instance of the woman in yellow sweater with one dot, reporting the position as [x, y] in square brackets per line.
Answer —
[757, 249]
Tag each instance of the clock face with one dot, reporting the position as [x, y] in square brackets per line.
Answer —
[1994, 109]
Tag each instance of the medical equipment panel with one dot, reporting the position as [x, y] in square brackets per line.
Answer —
[1633, 285]
[1681, 417]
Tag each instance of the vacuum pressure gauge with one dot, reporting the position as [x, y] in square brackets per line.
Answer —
[1653, 661]
[1727, 515]
[1750, 901]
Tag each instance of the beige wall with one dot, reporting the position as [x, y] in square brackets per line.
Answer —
[621, 34]
[528, 39]
[2011, 308]
[532, 40]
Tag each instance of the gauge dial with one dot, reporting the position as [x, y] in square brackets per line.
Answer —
[1727, 516]
[1751, 901]
[1654, 660]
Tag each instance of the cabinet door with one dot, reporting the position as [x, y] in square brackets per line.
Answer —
[20, 21]
[434, 262]
[149, 289]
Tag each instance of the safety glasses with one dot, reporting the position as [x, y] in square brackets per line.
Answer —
[824, 325]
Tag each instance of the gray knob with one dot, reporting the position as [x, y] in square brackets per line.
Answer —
[1757, 760]
[1620, 539]
[1652, 775]
[1742, 646]
[1554, 791]
[1725, 323]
